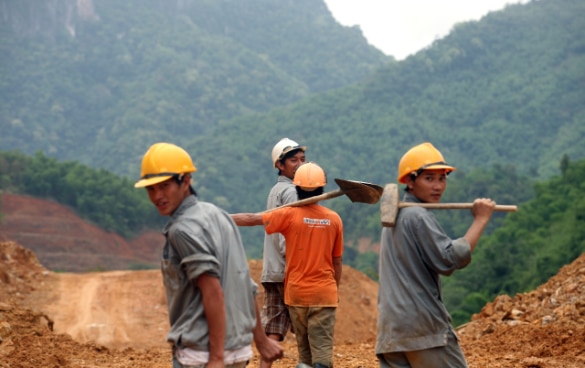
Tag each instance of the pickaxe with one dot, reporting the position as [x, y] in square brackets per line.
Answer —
[390, 204]
[356, 191]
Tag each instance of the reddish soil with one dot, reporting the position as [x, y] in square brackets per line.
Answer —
[118, 318]
[64, 242]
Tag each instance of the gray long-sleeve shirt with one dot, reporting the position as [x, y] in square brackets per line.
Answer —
[413, 254]
[282, 192]
[202, 238]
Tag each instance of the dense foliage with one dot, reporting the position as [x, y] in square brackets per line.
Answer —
[547, 232]
[503, 91]
[516, 101]
[95, 81]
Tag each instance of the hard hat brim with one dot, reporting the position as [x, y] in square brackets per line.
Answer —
[142, 183]
[402, 179]
[287, 150]
[440, 166]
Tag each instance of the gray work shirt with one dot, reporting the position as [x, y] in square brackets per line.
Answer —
[282, 192]
[202, 238]
[411, 313]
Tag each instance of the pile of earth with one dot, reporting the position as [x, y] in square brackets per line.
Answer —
[118, 319]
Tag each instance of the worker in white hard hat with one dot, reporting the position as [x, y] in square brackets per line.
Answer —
[287, 156]
[209, 291]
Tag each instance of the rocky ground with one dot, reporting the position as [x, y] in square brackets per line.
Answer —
[118, 319]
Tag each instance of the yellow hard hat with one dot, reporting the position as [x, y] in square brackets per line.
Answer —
[163, 161]
[310, 176]
[422, 157]
[283, 147]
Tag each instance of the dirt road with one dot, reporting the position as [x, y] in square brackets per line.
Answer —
[113, 309]
[127, 310]
[118, 319]
[122, 309]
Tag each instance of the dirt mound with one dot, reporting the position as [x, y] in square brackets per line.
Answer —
[118, 319]
[28, 341]
[20, 272]
[542, 328]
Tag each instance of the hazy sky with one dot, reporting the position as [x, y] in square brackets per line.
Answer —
[402, 27]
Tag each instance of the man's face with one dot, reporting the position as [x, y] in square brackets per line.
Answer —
[291, 164]
[168, 195]
[429, 185]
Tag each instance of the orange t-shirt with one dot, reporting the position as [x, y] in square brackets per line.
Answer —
[314, 236]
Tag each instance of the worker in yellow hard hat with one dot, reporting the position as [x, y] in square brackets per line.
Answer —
[314, 249]
[414, 327]
[210, 293]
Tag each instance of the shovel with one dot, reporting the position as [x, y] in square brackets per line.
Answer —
[356, 191]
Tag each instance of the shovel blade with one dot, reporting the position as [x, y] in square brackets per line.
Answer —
[359, 191]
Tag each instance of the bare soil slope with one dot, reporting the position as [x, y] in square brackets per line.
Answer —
[118, 319]
[63, 241]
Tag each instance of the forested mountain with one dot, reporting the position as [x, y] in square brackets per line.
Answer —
[97, 81]
[507, 90]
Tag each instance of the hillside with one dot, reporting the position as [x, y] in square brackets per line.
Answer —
[63, 241]
[117, 319]
[505, 91]
[89, 80]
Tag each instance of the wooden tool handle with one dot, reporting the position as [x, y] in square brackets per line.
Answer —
[456, 206]
[311, 200]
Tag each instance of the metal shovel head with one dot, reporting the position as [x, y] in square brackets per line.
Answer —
[359, 191]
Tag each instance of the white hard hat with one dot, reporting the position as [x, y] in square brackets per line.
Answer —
[283, 147]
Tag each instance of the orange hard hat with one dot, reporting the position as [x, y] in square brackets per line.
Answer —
[310, 176]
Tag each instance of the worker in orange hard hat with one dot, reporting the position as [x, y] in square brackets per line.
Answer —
[414, 327]
[314, 249]
[212, 308]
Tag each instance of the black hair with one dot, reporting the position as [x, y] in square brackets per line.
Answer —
[413, 176]
[180, 178]
[303, 194]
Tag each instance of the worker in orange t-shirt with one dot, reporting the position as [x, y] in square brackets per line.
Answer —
[314, 248]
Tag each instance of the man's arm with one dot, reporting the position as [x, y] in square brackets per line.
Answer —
[269, 349]
[247, 219]
[337, 267]
[214, 308]
[482, 212]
